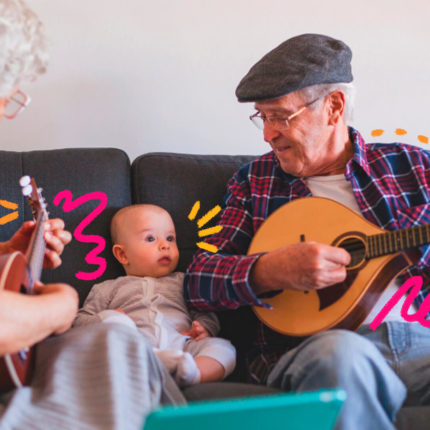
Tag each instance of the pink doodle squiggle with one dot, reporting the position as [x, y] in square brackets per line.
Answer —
[92, 257]
[414, 284]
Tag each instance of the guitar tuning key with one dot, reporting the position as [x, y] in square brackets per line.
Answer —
[24, 181]
[27, 190]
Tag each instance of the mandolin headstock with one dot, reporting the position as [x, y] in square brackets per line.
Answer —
[34, 195]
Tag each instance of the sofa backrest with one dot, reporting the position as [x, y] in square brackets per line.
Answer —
[100, 171]
[176, 181]
[172, 181]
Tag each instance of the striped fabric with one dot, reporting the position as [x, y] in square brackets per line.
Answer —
[391, 184]
[101, 376]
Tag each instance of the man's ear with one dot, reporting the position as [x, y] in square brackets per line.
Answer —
[336, 104]
[119, 253]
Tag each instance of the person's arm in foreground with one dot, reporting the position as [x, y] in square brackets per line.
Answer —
[27, 319]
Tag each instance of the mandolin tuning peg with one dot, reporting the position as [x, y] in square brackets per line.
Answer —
[27, 190]
[24, 181]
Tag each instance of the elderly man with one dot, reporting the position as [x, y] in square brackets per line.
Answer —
[302, 94]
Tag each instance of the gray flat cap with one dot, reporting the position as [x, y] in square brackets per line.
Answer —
[299, 62]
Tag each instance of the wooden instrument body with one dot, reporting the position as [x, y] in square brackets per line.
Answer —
[18, 273]
[346, 305]
[15, 369]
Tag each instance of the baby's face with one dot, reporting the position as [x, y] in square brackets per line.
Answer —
[149, 240]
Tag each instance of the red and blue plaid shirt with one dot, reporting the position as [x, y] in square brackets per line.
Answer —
[391, 184]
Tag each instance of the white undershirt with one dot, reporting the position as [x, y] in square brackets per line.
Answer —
[336, 187]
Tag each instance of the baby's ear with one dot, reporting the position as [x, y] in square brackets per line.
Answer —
[119, 253]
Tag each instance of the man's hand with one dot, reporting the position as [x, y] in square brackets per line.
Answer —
[197, 331]
[302, 266]
[55, 236]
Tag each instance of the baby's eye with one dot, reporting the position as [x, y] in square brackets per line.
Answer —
[171, 238]
[150, 238]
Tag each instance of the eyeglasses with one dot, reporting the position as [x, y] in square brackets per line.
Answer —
[15, 104]
[276, 122]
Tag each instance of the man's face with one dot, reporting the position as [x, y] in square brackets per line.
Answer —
[302, 149]
[148, 239]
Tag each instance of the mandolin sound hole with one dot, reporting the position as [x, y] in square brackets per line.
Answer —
[357, 249]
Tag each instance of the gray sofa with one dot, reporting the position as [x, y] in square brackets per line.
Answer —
[173, 181]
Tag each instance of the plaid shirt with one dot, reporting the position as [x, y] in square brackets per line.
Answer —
[391, 184]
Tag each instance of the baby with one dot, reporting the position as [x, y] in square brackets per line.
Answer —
[151, 294]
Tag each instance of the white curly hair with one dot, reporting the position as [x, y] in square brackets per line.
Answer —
[23, 54]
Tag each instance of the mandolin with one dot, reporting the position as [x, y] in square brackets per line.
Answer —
[377, 257]
[19, 272]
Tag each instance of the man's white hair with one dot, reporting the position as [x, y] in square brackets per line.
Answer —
[320, 90]
[23, 53]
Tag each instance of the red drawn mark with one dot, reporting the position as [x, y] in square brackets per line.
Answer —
[92, 257]
[415, 283]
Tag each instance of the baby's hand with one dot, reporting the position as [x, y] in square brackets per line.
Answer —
[197, 332]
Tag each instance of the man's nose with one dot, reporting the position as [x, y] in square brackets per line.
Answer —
[269, 132]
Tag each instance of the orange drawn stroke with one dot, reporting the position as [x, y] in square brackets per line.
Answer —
[11, 216]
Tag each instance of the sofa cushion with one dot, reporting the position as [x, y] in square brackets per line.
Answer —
[176, 181]
[81, 171]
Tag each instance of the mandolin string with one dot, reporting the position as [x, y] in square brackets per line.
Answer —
[37, 251]
[393, 241]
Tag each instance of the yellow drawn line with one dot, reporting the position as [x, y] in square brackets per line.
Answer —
[194, 210]
[423, 139]
[11, 216]
[206, 218]
[8, 218]
[400, 132]
[377, 132]
[8, 205]
[209, 231]
[207, 247]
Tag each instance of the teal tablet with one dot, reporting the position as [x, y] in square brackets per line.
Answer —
[305, 411]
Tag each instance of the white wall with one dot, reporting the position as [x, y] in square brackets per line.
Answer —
[160, 75]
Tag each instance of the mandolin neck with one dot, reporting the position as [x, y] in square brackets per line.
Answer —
[398, 240]
[36, 251]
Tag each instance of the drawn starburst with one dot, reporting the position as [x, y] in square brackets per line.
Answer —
[203, 221]
[10, 216]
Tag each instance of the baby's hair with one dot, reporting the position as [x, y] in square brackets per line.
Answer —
[115, 225]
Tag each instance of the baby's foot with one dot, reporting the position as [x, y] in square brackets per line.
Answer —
[187, 372]
[169, 357]
[181, 365]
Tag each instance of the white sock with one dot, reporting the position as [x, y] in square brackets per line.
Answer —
[181, 366]
[169, 357]
[187, 372]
